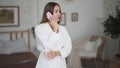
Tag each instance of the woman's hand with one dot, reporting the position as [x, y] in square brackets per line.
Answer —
[52, 54]
[54, 24]
[49, 54]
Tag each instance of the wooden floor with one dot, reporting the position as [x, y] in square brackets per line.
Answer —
[91, 64]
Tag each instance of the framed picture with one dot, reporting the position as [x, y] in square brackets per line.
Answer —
[63, 19]
[9, 16]
[74, 17]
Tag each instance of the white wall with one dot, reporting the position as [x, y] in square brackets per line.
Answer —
[112, 45]
[89, 11]
[28, 13]
[91, 14]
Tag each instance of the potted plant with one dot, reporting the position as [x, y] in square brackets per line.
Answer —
[112, 26]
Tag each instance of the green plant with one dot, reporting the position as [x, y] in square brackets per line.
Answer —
[112, 25]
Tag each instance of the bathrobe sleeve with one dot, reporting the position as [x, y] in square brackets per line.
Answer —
[67, 45]
[45, 39]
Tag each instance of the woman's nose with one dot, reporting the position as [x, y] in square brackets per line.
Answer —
[59, 14]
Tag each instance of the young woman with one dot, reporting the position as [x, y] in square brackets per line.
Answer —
[53, 40]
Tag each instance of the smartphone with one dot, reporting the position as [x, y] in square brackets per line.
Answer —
[49, 15]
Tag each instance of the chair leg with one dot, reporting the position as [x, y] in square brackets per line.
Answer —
[96, 64]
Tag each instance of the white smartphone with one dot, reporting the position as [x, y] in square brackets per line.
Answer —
[49, 15]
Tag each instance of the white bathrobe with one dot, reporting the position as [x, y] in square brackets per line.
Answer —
[49, 40]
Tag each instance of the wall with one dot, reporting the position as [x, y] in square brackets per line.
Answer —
[28, 13]
[88, 21]
[88, 10]
[110, 6]
[112, 45]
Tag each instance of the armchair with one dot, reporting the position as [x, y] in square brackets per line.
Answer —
[86, 52]
[91, 57]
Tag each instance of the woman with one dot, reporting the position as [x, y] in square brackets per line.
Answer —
[53, 40]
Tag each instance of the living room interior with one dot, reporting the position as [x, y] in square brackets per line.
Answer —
[84, 21]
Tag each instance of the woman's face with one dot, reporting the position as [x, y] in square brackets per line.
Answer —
[57, 13]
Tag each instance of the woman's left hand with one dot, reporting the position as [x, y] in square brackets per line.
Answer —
[53, 23]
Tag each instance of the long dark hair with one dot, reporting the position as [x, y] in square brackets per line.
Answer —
[49, 7]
